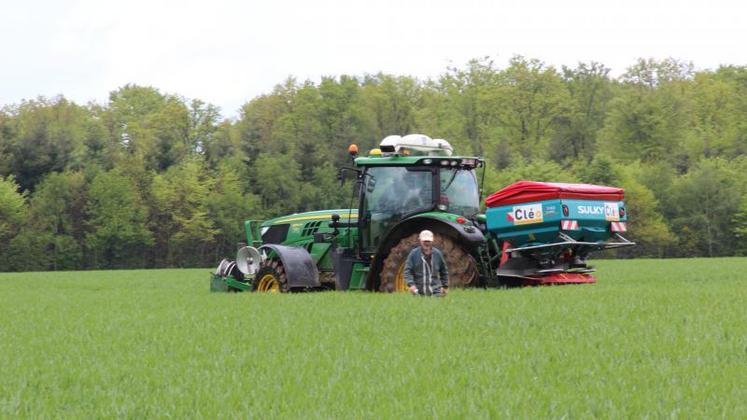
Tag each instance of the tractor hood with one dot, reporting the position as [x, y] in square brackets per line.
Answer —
[300, 227]
[320, 215]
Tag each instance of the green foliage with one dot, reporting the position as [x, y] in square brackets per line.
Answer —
[533, 98]
[6, 139]
[391, 103]
[185, 234]
[224, 144]
[644, 124]
[646, 224]
[521, 170]
[12, 214]
[651, 73]
[601, 171]
[27, 251]
[464, 103]
[156, 128]
[502, 114]
[591, 91]
[117, 222]
[204, 122]
[740, 227]
[228, 206]
[327, 191]
[276, 181]
[671, 135]
[57, 215]
[47, 136]
[12, 207]
[705, 200]
[659, 177]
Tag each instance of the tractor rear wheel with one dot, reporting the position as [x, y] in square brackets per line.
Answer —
[271, 278]
[461, 265]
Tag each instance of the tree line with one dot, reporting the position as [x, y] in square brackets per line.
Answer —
[152, 179]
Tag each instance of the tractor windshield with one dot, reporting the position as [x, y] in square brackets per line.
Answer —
[459, 191]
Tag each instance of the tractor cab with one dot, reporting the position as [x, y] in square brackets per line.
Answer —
[409, 177]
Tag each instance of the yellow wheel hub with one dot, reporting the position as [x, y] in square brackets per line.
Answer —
[268, 283]
[399, 280]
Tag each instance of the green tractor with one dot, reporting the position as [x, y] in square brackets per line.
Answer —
[412, 183]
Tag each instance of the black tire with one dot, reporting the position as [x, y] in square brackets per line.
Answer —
[462, 267]
[271, 277]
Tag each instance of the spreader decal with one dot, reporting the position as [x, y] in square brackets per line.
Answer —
[611, 211]
[523, 215]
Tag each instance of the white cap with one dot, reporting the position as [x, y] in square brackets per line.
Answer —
[426, 235]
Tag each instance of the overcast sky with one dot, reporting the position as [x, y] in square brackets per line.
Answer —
[228, 51]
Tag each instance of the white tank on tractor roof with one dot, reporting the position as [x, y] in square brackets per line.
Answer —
[416, 142]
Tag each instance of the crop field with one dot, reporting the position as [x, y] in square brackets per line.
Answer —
[652, 338]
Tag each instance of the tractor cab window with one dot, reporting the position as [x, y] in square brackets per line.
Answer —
[391, 194]
[398, 191]
[459, 191]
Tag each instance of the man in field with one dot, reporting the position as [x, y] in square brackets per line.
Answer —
[425, 269]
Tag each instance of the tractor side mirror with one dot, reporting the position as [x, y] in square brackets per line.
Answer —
[341, 174]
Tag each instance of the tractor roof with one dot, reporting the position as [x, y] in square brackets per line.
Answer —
[414, 150]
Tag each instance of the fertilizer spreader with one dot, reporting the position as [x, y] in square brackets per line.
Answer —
[547, 230]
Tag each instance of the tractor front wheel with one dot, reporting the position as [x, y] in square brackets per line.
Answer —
[460, 264]
[271, 278]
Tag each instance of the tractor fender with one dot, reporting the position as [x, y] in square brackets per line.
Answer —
[472, 238]
[298, 265]
[468, 235]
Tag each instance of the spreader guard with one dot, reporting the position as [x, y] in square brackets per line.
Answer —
[560, 278]
[548, 277]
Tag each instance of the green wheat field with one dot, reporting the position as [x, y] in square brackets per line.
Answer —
[653, 338]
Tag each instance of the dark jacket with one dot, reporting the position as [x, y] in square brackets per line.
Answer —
[428, 278]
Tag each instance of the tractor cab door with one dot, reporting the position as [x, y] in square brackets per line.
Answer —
[390, 194]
